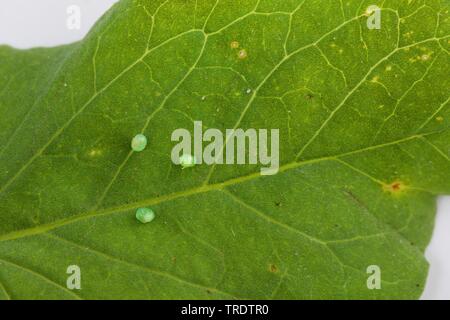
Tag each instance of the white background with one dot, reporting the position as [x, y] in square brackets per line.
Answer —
[30, 23]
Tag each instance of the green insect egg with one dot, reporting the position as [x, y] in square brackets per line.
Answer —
[187, 161]
[145, 215]
[139, 143]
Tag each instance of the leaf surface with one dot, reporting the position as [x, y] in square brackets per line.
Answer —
[365, 149]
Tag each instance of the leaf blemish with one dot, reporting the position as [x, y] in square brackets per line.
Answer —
[425, 57]
[395, 187]
[273, 268]
[242, 54]
[234, 45]
[95, 153]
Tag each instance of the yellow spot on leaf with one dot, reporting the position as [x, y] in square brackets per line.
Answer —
[95, 153]
[234, 45]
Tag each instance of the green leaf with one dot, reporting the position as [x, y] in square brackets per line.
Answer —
[364, 124]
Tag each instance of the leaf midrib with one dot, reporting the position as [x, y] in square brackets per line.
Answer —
[194, 191]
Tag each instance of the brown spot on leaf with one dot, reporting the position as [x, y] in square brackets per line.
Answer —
[273, 268]
[395, 187]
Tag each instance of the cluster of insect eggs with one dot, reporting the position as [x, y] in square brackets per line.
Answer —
[138, 144]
